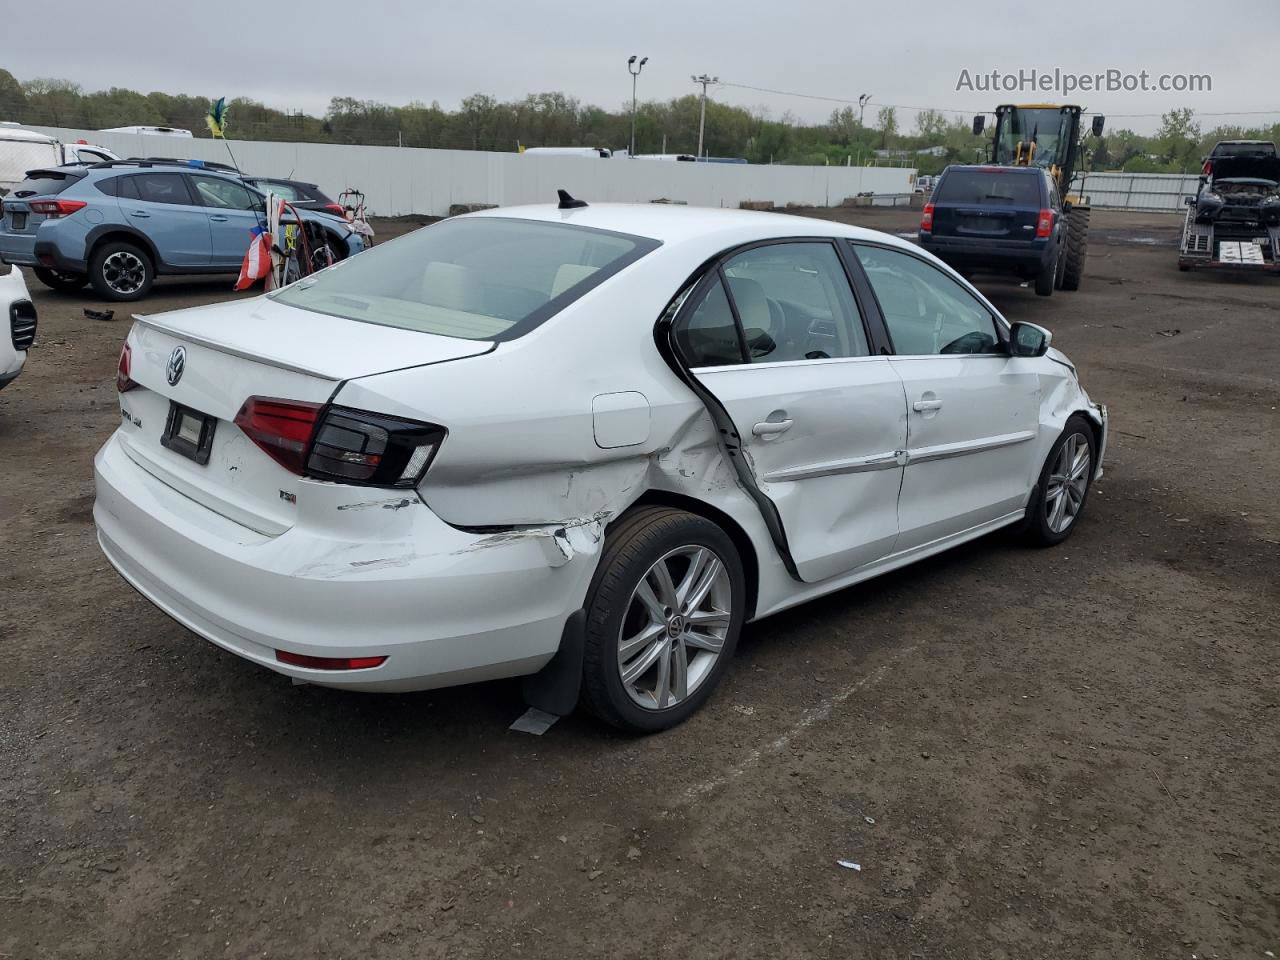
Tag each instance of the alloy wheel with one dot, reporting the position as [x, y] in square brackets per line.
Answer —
[124, 272]
[674, 627]
[1067, 483]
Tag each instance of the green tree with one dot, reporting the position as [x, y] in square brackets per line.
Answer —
[887, 124]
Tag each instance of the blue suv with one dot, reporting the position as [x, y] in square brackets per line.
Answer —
[117, 225]
[998, 220]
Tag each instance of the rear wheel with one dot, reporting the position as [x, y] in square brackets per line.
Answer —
[1047, 275]
[121, 271]
[1077, 247]
[663, 617]
[58, 280]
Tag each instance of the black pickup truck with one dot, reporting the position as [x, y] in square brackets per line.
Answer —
[992, 219]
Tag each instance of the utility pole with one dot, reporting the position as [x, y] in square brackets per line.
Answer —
[634, 69]
[862, 106]
[702, 121]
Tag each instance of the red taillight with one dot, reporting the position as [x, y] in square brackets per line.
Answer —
[1207, 168]
[926, 220]
[125, 383]
[1044, 225]
[329, 663]
[282, 428]
[334, 208]
[57, 208]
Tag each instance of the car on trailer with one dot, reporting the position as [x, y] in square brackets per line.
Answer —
[1233, 222]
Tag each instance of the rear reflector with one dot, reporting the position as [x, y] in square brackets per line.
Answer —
[281, 428]
[328, 663]
[125, 383]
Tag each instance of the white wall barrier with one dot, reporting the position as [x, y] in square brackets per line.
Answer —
[1141, 191]
[410, 180]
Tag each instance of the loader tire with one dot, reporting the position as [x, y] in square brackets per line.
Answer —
[1077, 247]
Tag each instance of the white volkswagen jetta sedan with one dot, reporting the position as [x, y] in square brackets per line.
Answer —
[21, 316]
[584, 444]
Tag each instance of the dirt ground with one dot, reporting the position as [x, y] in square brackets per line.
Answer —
[1059, 753]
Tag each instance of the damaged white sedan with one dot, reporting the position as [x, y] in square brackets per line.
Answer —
[581, 444]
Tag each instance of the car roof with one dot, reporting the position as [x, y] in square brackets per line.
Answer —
[996, 168]
[18, 133]
[672, 223]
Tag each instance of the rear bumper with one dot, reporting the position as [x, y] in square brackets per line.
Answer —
[382, 577]
[977, 253]
[18, 248]
[48, 255]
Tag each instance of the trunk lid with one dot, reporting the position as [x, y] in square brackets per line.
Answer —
[235, 350]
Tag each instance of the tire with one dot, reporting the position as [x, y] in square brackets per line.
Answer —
[57, 280]
[1047, 276]
[643, 540]
[121, 271]
[1077, 248]
[1039, 527]
[337, 250]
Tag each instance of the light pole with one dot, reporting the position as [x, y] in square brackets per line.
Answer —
[862, 105]
[702, 120]
[634, 69]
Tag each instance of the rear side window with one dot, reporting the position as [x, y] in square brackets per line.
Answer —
[709, 337]
[986, 187]
[286, 190]
[483, 278]
[44, 183]
[159, 187]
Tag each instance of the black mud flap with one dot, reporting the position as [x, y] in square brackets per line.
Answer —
[555, 688]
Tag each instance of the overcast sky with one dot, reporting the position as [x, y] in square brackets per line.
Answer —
[298, 55]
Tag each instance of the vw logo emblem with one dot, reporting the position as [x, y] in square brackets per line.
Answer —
[177, 364]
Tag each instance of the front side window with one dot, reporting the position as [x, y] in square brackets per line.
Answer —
[481, 278]
[158, 188]
[794, 303]
[224, 194]
[926, 311]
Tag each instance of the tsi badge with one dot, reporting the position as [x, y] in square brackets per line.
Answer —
[177, 364]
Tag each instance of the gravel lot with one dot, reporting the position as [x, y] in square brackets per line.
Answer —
[1067, 753]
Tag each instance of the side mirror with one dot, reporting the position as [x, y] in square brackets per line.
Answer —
[1029, 340]
[1098, 122]
[979, 124]
[1189, 201]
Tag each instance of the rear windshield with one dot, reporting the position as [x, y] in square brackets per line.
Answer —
[42, 183]
[1244, 150]
[486, 278]
[989, 187]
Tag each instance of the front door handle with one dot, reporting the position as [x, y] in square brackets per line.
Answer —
[769, 428]
[140, 213]
[218, 219]
[921, 406]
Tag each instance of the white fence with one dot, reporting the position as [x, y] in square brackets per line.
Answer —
[408, 180]
[1141, 191]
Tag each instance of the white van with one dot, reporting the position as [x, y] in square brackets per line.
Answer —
[23, 150]
[604, 152]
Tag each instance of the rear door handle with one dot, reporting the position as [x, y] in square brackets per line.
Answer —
[218, 219]
[769, 428]
[920, 406]
[140, 213]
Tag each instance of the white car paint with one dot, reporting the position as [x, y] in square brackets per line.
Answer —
[13, 290]
[473, 574]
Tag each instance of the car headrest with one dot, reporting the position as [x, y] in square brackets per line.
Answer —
[450, 285]
[569, 275]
